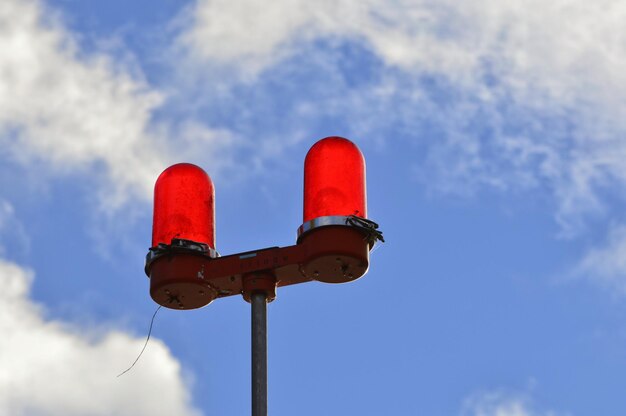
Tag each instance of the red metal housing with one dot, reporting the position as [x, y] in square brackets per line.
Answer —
[187, 280]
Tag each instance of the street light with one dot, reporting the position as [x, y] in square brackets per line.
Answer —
[333, 243]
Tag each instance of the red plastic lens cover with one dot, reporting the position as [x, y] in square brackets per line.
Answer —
[334, 179]
[184, 206]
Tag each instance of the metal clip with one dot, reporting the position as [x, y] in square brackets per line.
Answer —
[368, 226]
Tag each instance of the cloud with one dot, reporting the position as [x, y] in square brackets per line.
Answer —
[557, 50]
[253, 37]
[69, 111]
[51, 368]
[499, 403]
[607, 264]
[12, 228]
[514, 96]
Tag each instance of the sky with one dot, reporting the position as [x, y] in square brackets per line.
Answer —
[493, 134]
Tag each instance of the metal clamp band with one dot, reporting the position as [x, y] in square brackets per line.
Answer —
[179, 245]
[368, 226]
[322, 222]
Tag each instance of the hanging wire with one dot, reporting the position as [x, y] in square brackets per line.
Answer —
[144, 345]
[377, 245]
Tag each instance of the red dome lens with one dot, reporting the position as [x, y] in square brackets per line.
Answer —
[334, 179]
[184, 206]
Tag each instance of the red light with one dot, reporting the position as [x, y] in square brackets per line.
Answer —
[183, 206]
[334, 179]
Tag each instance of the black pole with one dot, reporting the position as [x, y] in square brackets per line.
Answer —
[259, 354]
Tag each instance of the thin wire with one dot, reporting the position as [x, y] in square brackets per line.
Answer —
[377, 245]
[144, 345]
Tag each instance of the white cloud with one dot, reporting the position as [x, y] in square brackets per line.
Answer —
[253, 36]
[49, 368]
[567, 49]
[68, 111]
[11, 228]
[533, 92]
[607, 264]
[498, 403]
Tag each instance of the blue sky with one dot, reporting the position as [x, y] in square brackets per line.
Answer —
[494, 139]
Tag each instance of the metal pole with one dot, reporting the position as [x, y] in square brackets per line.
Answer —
[259, 354]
